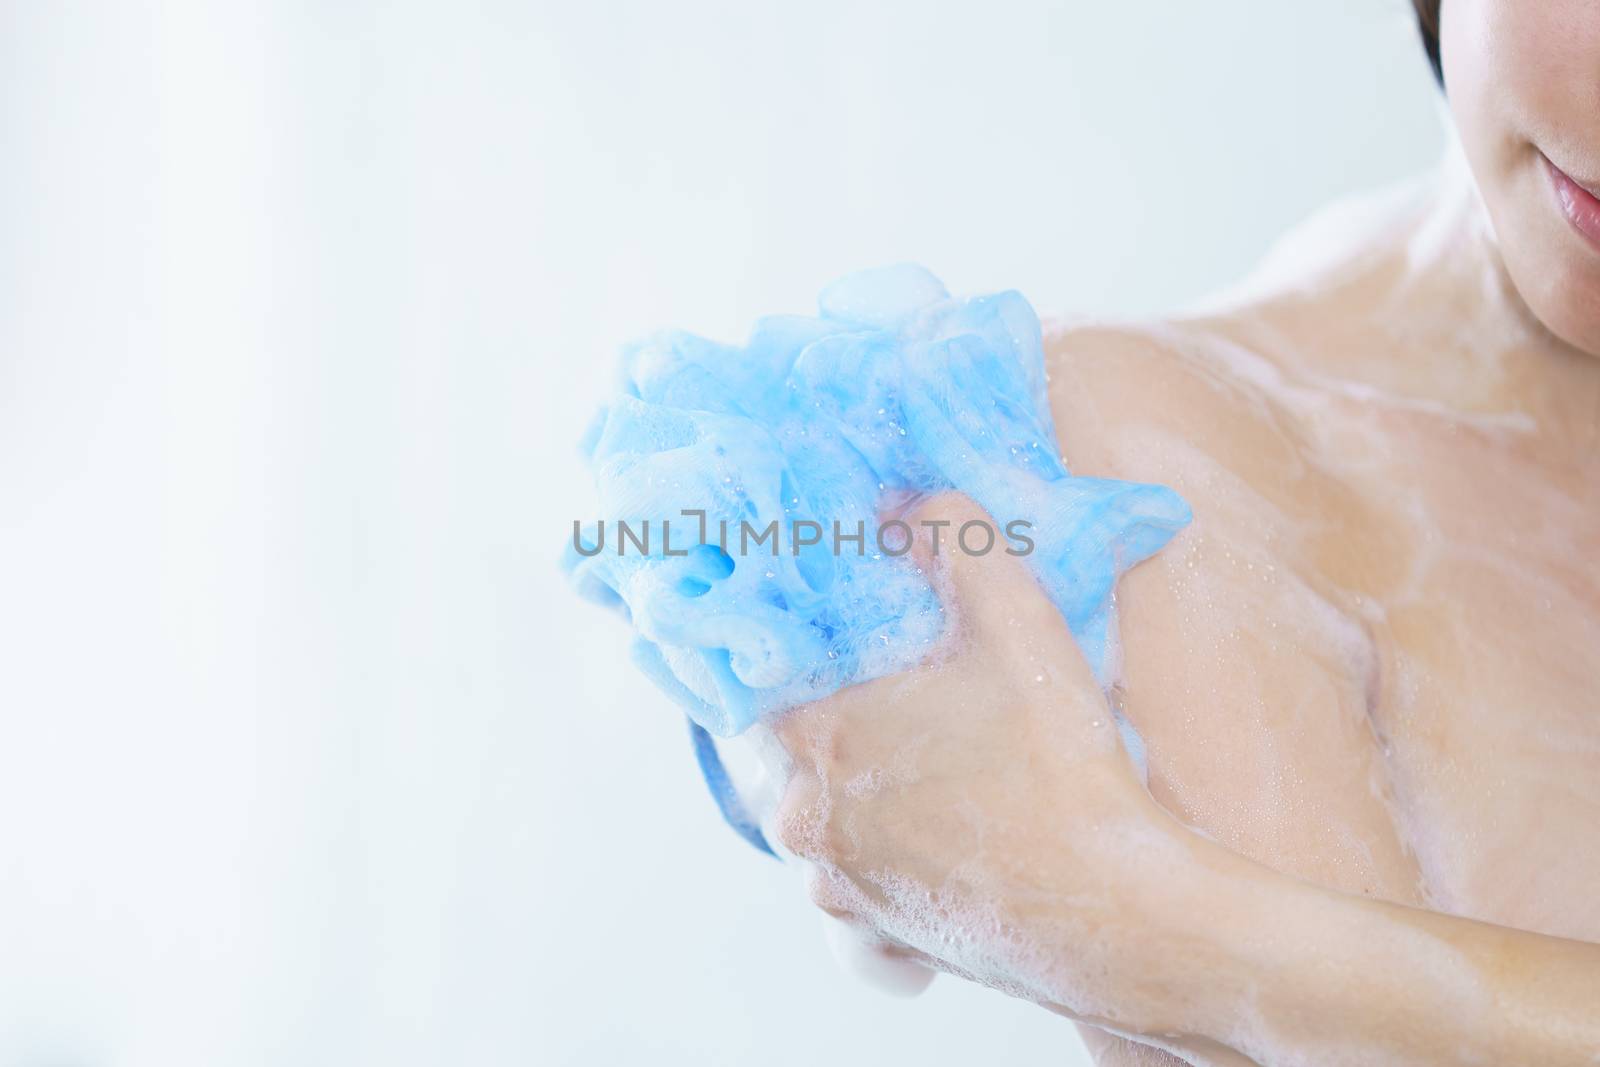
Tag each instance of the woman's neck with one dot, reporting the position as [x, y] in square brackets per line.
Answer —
[1475, 337]
[1406, 293]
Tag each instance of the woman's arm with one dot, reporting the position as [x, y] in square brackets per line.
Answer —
[1286, 972]
[1305, 974]
[1281, 971]
[979, 815]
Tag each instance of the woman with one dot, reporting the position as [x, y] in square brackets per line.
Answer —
[1368, 675]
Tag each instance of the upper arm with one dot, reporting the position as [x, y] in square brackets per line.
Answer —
[1244, 667]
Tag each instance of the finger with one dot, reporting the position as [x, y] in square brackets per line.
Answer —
[889, 968]
[1004, 616]
[797, 730]
[994, 595]
[812, 733]
[828, 891]
[799, 825]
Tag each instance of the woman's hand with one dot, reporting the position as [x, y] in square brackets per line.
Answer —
[979, 813]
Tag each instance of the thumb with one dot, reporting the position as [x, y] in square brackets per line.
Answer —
[1000, 612]
[991, 592]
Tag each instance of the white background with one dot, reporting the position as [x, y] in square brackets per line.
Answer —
[307, 756]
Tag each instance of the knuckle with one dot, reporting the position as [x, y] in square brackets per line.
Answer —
[808, 824]
[799, 825]
[824, 892]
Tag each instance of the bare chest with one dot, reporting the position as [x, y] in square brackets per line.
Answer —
[1381, 671]
[1486, 709]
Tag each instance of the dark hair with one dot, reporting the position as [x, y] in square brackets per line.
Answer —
[1428, 26]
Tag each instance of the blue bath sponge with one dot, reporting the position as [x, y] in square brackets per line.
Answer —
[740, 490]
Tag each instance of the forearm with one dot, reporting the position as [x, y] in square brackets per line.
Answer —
[1307, 974]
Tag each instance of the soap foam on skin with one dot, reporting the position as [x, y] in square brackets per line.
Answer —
[895, 392]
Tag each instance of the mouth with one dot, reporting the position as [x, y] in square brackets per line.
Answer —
[1578, 201]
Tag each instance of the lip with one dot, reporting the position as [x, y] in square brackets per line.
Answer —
[1579, 203]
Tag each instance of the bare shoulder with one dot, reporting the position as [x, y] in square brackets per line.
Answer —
[1170, 402]
[1191, 405]
[1245, 670]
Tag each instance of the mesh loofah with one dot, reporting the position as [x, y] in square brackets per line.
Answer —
[819, 425]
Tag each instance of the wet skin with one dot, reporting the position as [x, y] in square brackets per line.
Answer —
[1374, 660]
[1364, 675]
